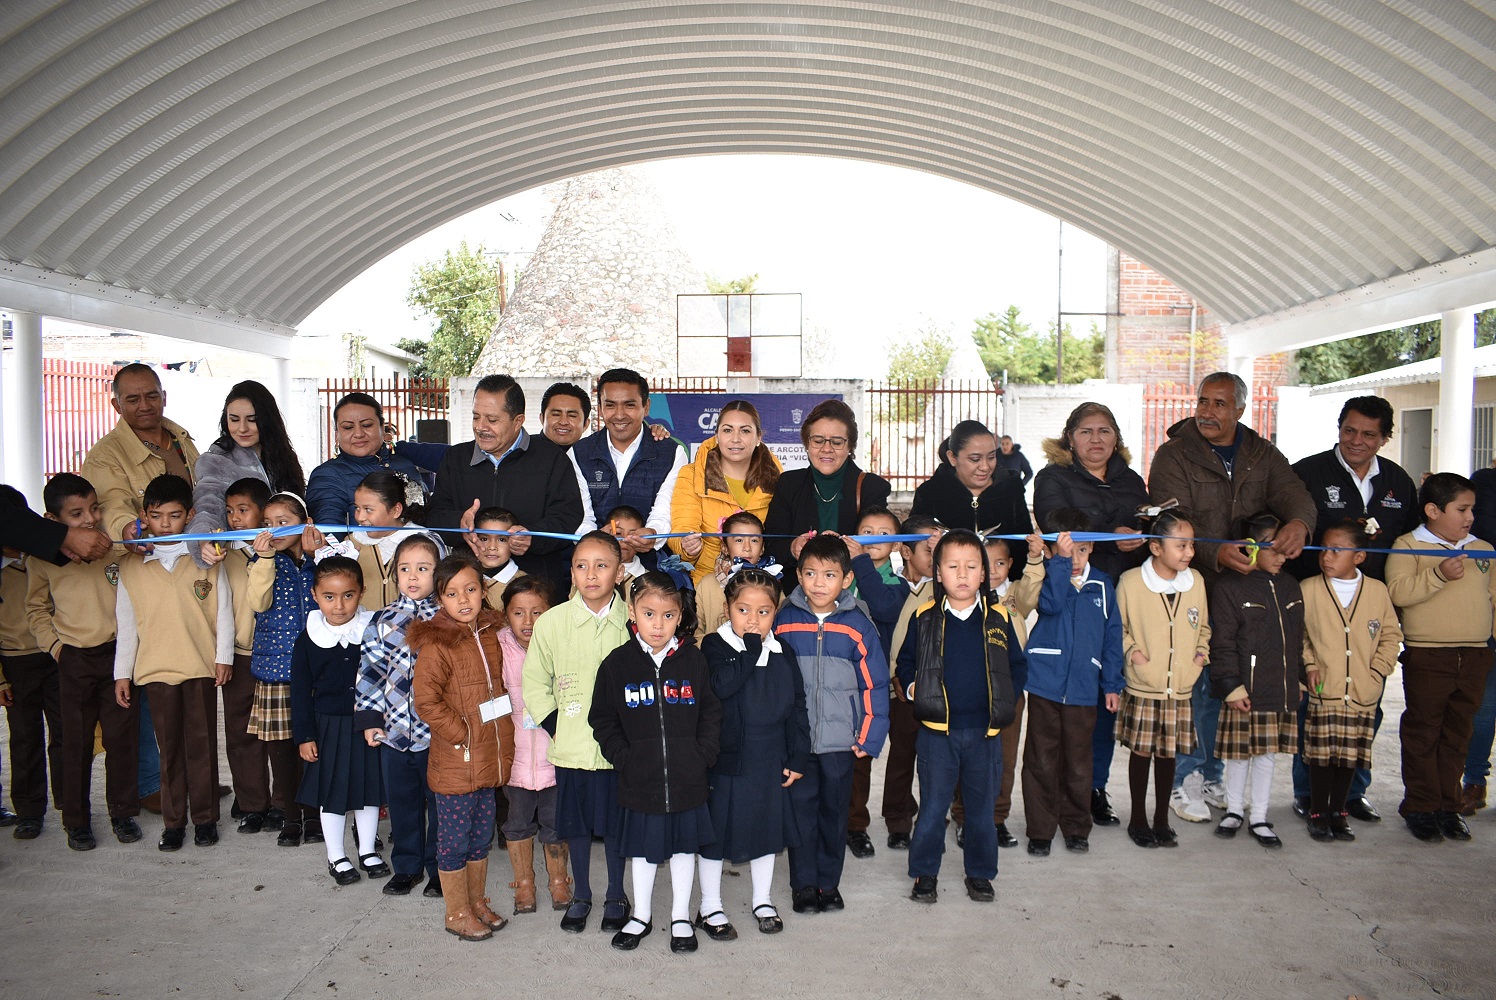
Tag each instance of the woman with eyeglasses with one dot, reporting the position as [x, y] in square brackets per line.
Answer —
[829, 493]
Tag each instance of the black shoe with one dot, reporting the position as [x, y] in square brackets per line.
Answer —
[290, 835]
[27, 829]
[979, 890]
[343, 876]
[126, 830]
[1265, 835]
[433, 890]
[1301, 806]
[1101, 809]
[1230, 823]
[311, 833]
[1164, 836]
[717, 932]
[574, 920]
[960, 835]
[1039, 848]
[205, 834]
[234, 811]
[625, 940]
[806, 900]
[81, 838]
[616, 913]
[8, 818]
[1452, 826]
[768, 918]
[1077, 845]
[898, 841]
[860, 844]
[172, 838]
[275, 818]
[830, 900]
[925, 890]
[1319, 828]
[1004, 837]
[1142, 836]
[1363, 810]
[400, 885]
[1424, 826]
[682, 943]
[373, 865]
[1340, 827]
[252, 822]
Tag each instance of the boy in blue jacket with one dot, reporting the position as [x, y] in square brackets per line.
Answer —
[1078, 636]
[846, 692]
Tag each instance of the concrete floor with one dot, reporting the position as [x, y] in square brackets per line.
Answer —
[1383, 917]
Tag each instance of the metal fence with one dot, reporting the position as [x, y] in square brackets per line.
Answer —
[1165, 404]
[906, 420]
[404, 401]
[75, 411]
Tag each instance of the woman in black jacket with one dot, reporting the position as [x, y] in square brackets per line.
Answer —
[965, 493]
[1088, 470]
[829, 494]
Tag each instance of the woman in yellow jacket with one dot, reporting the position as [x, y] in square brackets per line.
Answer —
[733, 471]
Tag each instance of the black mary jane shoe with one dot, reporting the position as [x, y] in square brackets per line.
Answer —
[616, 913]
[400, 885]
[1142, 836]
[1319, 828]
[1164, 836]
[806, 900]
[1265, 835]
[626, 940]
[1005, 836]
[172, 838]
[1230, 823]
[682, 944]
[768, 919]
[717, 932]
[1340, 827]
[574, 921]
[373, 865]
[343, 876]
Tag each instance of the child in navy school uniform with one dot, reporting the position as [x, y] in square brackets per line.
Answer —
[658, 723]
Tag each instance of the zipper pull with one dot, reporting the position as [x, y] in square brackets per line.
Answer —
[467, 755]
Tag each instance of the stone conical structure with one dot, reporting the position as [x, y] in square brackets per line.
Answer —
[600, 290]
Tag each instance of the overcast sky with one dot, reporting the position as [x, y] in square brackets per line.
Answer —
[876, 251]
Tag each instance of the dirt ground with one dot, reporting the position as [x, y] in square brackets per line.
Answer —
[1384, 917]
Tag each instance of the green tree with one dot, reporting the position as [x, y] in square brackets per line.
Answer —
[920, 358]
[417, 347]
[462, 292]
[736, 286]
[1374, 352]
[1006, 343]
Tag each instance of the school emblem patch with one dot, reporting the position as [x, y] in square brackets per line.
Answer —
[111, 573]
[1193, 614]
[1332, 494]
[1484, 565]
[1374, 626]
[201, 589]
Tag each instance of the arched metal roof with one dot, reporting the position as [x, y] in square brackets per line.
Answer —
[253, 156]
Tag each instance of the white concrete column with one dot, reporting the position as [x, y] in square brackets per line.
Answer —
[280, 381]
[23, 409]
[1243, 365]
[1452, 452]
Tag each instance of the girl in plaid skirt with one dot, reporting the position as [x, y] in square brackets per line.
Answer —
[1165, 639]
[1353, 640]
[1256, 663]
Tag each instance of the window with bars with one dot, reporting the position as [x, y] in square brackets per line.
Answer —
[1483, 436]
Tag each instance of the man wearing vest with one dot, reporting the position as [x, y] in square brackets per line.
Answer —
[623, 466]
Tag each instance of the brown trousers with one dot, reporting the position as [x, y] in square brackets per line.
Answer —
[249, 760]
[35, 733]
[1011, 737]
[85, 681]
[1443, 688]
[186, 719]
[1057, 769]
[285, 774]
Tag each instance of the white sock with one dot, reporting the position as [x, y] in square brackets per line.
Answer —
[644, 885]
[762, 870]
[682, 880]
[1236, 786]
[711, 890]
[332, 833]
[366, 822]
[1262, 784]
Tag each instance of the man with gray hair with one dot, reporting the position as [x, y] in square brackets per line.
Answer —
[1221, 471]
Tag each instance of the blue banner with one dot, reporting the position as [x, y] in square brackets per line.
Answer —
[692, 418]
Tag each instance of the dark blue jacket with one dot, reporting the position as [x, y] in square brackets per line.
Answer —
[972, 669]
[329, 489]
[322, 682]
[756, 700]
[1077, 640]
[884, 601]
[641, 483]
[277, 627]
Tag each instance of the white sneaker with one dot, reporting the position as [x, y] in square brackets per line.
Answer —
[1187, 808]
[1214, 794]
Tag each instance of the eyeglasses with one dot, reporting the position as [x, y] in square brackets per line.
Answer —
[821, 442]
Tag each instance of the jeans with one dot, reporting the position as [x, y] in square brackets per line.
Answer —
[1207, 711]
[1478, 757]
[974, 760]
[1361, 781]
[149, 778]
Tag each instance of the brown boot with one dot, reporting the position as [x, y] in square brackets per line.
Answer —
[477, 886]
[522, 859]
[460, 919]
[555, 866]
[1474, 799]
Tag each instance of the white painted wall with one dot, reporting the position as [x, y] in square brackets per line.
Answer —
[1307, 423]
[1036, 412]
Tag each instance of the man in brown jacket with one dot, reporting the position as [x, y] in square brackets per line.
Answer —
[1220, 471]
